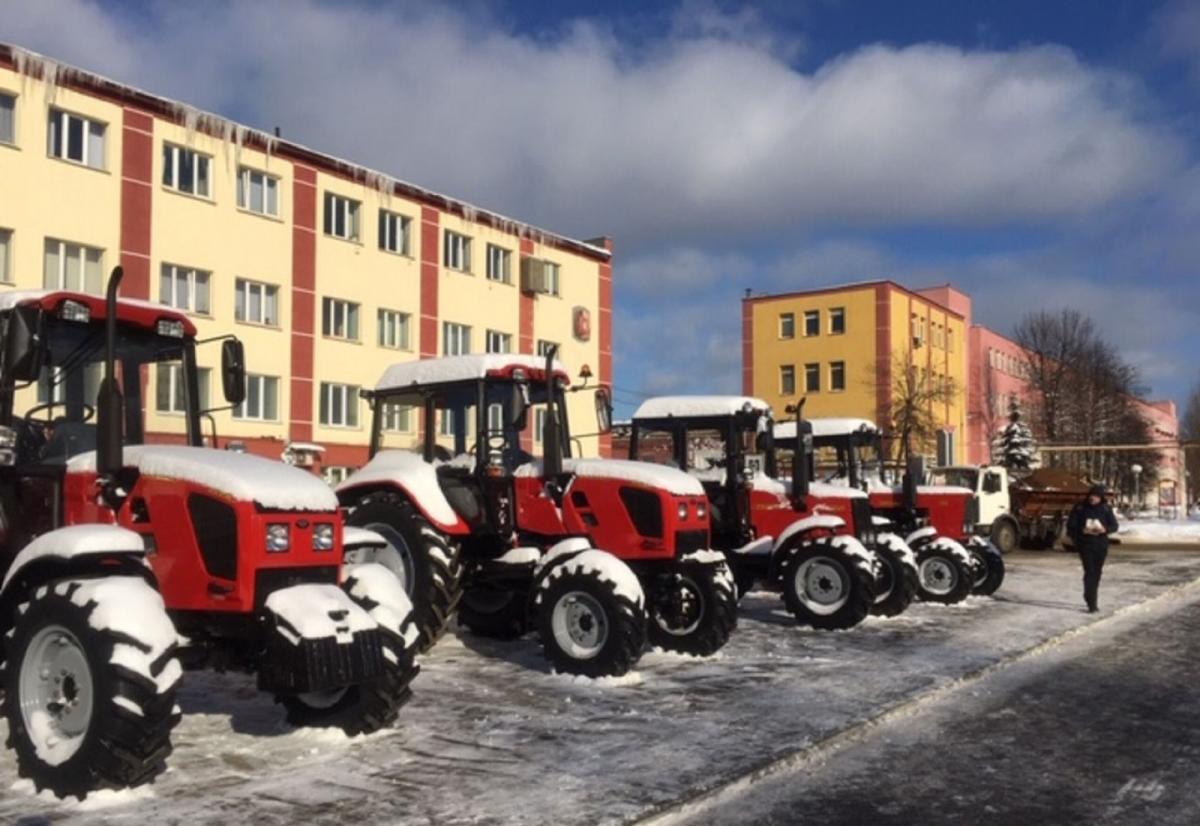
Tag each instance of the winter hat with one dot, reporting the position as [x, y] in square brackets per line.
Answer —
[1097, 490]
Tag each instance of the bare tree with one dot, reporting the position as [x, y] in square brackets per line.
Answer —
[1189, 431]
[1053, 343]
[916, 393]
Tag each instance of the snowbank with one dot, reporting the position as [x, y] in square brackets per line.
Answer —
[1160, 531]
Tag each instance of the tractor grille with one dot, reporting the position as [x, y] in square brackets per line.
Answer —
[215, 525]
[688, 541]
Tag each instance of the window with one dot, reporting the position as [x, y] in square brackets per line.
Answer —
[339, 319]
[950, 340]
[837, 321]
[169, 390]
[257, 191]
[256, 303]
[787, 325]
[456, 339]
[552, 278]
[499, 264]
[397, 418]
[837, 375]
[5, 256]
[812, 323]
[456, 251]
[8, 118]
[498, 342]
[262, 399]
[75, 138]
[787, 380]
[543, 347]
[393, 330]
[185, 289]
[539, 424]
[335, 474]
[394, 232]
[185, 170]
[812, 378]
[341, 217]
[72, 267]
[339, 405]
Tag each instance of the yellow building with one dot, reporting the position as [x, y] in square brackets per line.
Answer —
[858, 351]
[329, 272]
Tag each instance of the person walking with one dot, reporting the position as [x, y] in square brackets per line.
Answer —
[1089, 526]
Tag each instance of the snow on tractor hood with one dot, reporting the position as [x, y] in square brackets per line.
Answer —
[273, 485]
[673, 481]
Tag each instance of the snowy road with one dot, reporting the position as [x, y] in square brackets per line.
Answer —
[492, 738]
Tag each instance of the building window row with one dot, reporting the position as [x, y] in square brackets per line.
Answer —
[835, 383]
[939, 335]
[1008, 363]
[812, 323]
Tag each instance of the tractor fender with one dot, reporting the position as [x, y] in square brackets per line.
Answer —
[76, 551]
[414, 478]
[802, 527]
[921, 537]
[899, 547]
[559, 553]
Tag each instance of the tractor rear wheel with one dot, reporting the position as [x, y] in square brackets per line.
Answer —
[826, 587]
[942, 575]
[693, 609]
[428, 566]
[897, 587]
[989, 567]
[498, 613]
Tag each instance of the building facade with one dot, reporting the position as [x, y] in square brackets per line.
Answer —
[327, 271]
[856, 350]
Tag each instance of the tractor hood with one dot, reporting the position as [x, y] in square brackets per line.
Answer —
[673, 481]
[272, 485]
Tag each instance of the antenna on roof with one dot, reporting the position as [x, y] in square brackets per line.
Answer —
[277, 131]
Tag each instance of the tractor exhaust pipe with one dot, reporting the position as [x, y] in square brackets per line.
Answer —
[800, 459]
[110, 406]
[552, 460]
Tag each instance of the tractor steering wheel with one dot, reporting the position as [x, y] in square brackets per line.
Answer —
[88, 412]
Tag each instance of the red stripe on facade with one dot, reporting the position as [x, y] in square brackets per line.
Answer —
[137, 165]
[747, 347]
[430, 271]
[883, 356]
[606, 335]
[304, 284]
[525, 313]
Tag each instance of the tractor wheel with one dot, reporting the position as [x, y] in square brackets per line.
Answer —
[369, 706]
[419, 556]
[989, 568]
[825, 586]
[943, 576]
[897, 586]
[497, 613]
[1005, 536]
[89, 683]
[693, 609]
[588, 623]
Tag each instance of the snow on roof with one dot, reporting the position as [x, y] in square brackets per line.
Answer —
[825, 427]
[662, 407]
[273, 485]
[457, 368]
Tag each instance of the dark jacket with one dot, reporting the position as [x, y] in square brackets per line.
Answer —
[1080, 514]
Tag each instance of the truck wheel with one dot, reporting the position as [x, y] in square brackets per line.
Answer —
[497, 613]
[942, 575]
[1004, 536]
[693, 609]
[825, 587]
[989, 568]
[370, 706]
[588, 623]
[419, 556]
[898, 583]
[87, 708]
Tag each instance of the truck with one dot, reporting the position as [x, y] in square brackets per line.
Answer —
[125, 562]
[1030, 510]
[815, 543]
[598, 555]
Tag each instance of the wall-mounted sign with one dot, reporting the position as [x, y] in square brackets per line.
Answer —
[582, 323]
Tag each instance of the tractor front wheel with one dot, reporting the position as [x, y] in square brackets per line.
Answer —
[825, 586]
[943, 575]
[693, 609]
[897, 586]
[989, 567]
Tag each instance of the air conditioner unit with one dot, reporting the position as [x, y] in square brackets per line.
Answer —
[533, 276]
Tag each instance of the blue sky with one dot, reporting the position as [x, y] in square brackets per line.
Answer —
[1037, 154]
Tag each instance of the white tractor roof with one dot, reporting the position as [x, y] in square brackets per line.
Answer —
[662, 407]
[458, 368]
[826, 427]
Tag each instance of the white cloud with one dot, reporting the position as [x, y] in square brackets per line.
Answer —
[1177, 30]
[704, 135]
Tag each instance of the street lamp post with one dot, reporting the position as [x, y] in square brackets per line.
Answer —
[1137, 485]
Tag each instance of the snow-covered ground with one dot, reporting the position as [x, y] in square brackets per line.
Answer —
[1161, 531]
[491, 737]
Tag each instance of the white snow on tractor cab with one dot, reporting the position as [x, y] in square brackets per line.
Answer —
[666, 478]
[664, 407]
[457, 368]
[243, 476]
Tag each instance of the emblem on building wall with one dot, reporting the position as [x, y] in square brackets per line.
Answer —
[582, 323]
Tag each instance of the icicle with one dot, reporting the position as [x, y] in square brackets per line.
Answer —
[239, 139]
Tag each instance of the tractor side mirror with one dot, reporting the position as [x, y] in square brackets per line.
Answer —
[518, 407]
[24, 347]
[604, 409]
[233, 371]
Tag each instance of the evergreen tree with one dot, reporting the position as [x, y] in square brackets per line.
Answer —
[1014, 446]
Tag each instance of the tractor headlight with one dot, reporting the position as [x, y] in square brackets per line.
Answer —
[279, 538]
[323, 537]
[701, 510]
[170, 327]
[74, 311]
[683, 510]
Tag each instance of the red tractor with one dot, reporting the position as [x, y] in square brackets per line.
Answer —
[473, 522]
[938, 521]
[122, 559]
[815, 542]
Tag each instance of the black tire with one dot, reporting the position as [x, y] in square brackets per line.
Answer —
[369, 706]
[120, 748]
[692, 609]
[1005, 536]
[898, 586]
[825, 587]
[625, 624]
[942, 576]
[989, 568]
[435, 582]
[498, 614]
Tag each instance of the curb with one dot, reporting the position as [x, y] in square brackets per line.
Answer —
[698, 802]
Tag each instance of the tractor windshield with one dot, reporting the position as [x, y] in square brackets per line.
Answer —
[55, 416]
